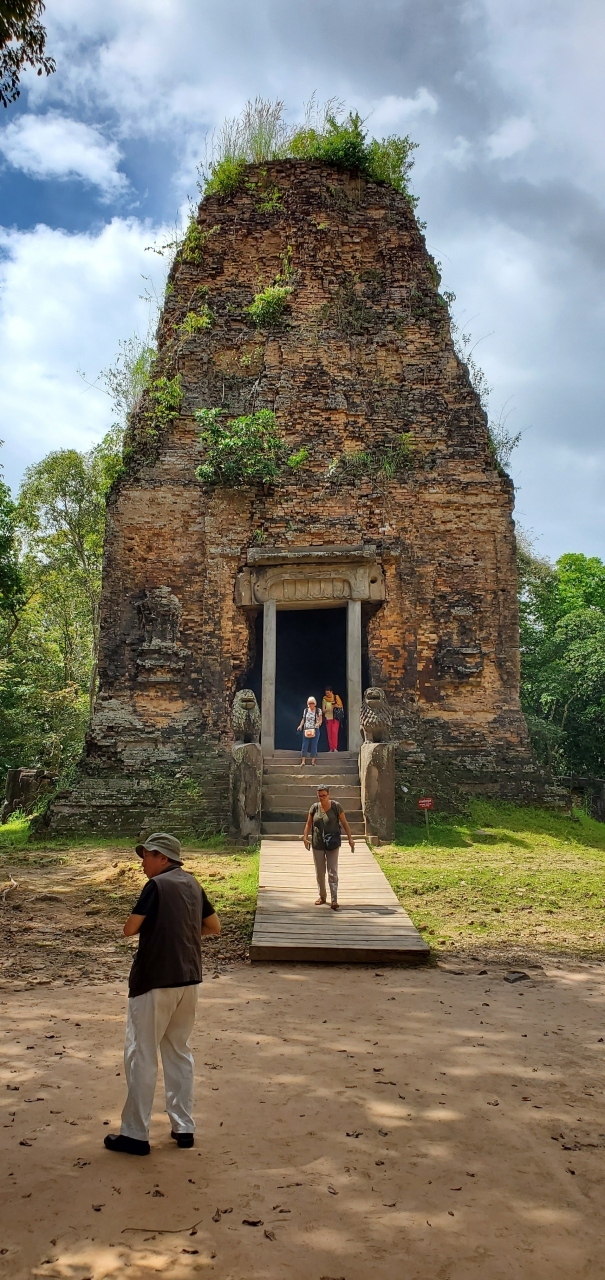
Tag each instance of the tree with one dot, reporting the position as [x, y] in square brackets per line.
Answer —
[62, 516]
[11, 582]
[22, 43]
[562, 615]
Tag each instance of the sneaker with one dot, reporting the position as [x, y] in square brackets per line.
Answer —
[182, 1139]
[335, 906]
[130, 1146]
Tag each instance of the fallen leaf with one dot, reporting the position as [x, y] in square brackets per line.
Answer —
[189, 1250]
[24, 1143]
[97, 1207]
[451, 1213]
[270, 1235]
[252, 1222]
[355, 1133]
[332, 1190]
[455, 1188]
[216, 1217]
[384, 1133]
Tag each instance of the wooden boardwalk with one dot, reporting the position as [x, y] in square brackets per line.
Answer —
[370, 928]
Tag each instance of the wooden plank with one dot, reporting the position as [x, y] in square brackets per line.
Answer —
[371, 926]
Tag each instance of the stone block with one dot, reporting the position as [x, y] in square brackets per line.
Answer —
[377, 777]
[246, 790]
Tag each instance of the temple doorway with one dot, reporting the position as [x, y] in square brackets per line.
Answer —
[311, 653]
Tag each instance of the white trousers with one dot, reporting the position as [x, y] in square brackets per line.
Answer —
[164, 1017]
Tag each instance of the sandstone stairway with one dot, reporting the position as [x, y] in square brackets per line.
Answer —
[290, 789]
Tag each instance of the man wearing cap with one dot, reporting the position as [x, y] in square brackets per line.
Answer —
[170, 917]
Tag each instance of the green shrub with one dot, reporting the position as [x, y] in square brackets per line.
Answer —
[342, 143]
[225, 176]
[387, 461]
[269, 305]
[260, 134]
[245, 451]
[195, 242]
[249, 450]
[298, 459]
[196, 320]
[165, 396]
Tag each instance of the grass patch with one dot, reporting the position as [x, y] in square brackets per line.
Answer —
[503, 877]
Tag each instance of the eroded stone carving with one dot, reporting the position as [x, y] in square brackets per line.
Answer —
[375, 717]
[159, 615]
[245, 717]
[377, 777]
[459, 661]
[246, 789]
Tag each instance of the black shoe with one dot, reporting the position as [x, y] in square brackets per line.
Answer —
[182, 1139]
[131, 1146]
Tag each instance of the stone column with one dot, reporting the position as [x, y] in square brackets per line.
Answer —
[354, 672]
[268, 690]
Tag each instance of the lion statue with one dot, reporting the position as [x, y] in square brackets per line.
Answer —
[245, 717]
[375, 717]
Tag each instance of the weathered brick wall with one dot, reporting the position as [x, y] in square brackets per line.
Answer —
[364, 354]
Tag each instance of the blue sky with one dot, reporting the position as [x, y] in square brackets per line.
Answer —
[505, 98]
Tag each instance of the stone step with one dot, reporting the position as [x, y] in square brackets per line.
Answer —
[325, 764]
[291, 813]
[286, 829]
[277, 797]
[291, 755]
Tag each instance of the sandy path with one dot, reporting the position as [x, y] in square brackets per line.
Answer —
[391, 1123]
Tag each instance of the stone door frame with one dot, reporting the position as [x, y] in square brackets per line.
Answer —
[310, 578]
[270, 671]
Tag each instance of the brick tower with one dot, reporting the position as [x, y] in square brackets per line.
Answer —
[386, 558]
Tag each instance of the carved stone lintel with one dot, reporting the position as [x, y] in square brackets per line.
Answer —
[246, 790]
[377, 777]
[295, 584]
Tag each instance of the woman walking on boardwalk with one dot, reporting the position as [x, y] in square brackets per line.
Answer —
[310, 726]
[333, 714]
[322, 834]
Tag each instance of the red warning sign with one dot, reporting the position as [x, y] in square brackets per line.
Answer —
[426, 803]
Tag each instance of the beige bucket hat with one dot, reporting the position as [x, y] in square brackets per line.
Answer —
[160, 842]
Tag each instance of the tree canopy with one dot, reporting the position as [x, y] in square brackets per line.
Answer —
[22, 44]
[562, 616]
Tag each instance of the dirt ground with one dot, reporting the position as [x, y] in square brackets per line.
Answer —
[353, 1123]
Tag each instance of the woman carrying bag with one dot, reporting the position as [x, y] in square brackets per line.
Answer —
[310, 726]
[333, 714]
[322, 833]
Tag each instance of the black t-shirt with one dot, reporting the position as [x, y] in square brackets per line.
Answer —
[147, 902]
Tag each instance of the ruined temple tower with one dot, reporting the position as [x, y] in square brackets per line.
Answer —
[348, 570]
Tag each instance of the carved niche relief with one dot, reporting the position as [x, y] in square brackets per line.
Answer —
[459, 654]
[160, 655]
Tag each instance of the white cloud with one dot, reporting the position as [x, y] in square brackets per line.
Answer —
[65, 303]
[53, 146]
[461, 154]
[393, 112]
[514, 135]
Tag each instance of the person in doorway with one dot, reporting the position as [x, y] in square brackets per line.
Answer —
[333, 714]
[310, 726]
[322, 834]
[170, 917]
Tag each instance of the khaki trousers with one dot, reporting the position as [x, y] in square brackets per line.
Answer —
[326, 860]
[163, 1017]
